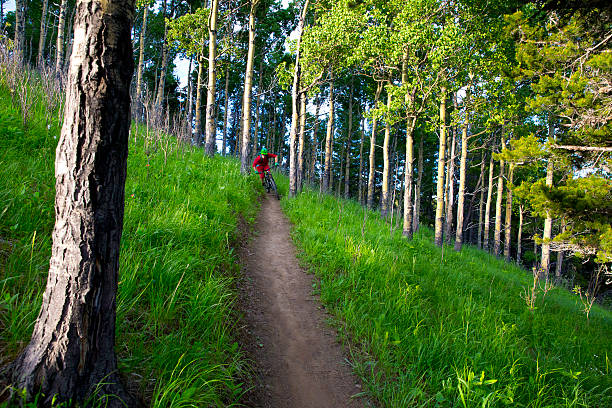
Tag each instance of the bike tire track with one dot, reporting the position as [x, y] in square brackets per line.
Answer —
[299, 362]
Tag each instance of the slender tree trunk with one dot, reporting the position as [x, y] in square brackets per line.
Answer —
[559, 268]
[43, 34]
[485, 243]
[246, 100]
[520, 235]
[211, 118]
[143, 32]
[161, 85]
[535, 253]
[20, 30]
[372, 158]
[189, 99]
[72, 350]
[547, 224]
[226, 110]
[313, 154]
[481, 205]
[462, 176]
[302, 143]
[508, 226]
[417, 191]
[440, 182]
[498, 207]
[361, 144]
[198, 106]
[450, 181]
[59, 49]
[327, 175]
[256, 141]
[347, 172]
[408, 165]
[384, 208]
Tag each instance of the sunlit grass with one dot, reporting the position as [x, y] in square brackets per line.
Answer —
[176, 334]
[439, 328]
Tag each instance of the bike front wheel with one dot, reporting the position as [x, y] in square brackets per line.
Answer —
[273, 188]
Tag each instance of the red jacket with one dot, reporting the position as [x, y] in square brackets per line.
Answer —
[263, 161]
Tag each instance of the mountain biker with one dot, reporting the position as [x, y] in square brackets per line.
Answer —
[260, 164]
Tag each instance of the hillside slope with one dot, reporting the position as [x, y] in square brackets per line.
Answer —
[175, 330]
[434, 327]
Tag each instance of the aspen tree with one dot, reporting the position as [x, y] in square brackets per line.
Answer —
[487, 223]
[327, 173]
[372, 157]
[498, 206]
[462, 176]
[211, 118]
[440, 181]
[245, 142]
[141, 57]
[384, 208]
[348, 144]
[43, 33]
[508, 224]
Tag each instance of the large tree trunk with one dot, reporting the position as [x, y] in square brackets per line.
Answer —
[481, 204]
[211, 117]
[485, 240]
[384, 207]
[450, 180]
[547, 224]
[347, 163]
[143, 32]
[43, 34]
[372, 158]
[20, 30]
[313, 153]
[302, 143]
[440, 182]
[246, 100]
[198, 105]
[360, 179]
[71, 353]
[417, 191]
[161, 85]
[462, 175]
[508, 226]
[498, 207]
[327, 182]
[225, 111]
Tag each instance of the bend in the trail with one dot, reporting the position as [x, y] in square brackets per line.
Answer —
[299, 361]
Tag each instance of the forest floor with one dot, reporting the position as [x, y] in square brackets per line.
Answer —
[298, 361]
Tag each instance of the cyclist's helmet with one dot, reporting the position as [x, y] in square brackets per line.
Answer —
[264, 151]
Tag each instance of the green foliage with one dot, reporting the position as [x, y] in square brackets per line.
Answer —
[175, 308]
[432, 327]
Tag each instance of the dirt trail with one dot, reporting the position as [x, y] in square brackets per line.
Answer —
[300, 363]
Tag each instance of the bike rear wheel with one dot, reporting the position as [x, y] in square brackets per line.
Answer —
[273, 188]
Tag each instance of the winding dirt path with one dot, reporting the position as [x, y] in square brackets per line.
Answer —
[299, 362]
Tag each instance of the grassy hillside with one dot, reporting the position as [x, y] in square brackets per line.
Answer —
[176, 296]
[436, 328]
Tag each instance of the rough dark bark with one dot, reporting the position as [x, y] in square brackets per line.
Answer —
[71, 352]
[211, 117]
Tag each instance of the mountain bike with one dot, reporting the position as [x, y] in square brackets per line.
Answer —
[270, 184]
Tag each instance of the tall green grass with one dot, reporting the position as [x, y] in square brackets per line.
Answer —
[175, 312]
[436, 328]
